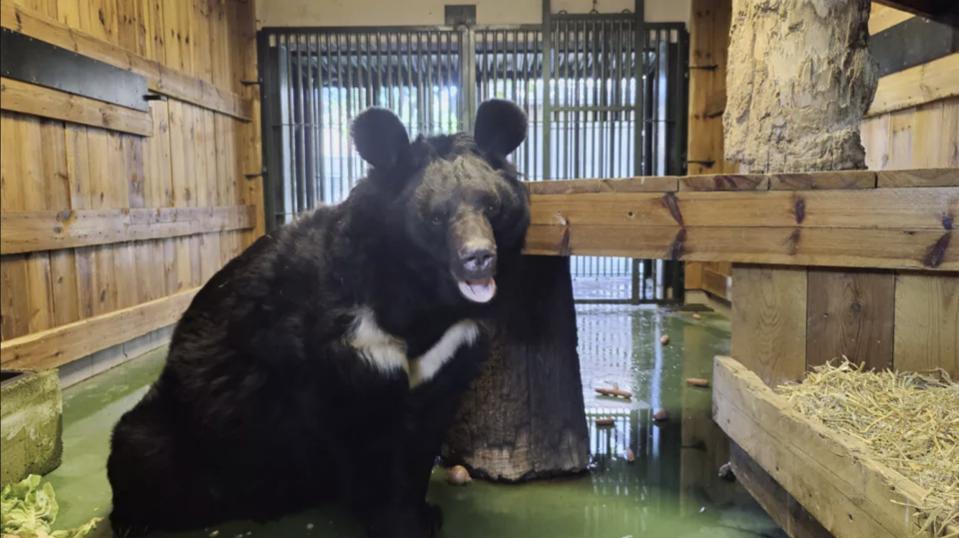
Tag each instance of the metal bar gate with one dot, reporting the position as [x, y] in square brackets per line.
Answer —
[605, 96]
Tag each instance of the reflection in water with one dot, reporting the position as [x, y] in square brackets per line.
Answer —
[670, 490]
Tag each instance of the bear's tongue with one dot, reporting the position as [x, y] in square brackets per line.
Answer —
[478, 291]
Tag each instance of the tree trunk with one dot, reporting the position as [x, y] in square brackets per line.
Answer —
[799, 79]
[524, 416]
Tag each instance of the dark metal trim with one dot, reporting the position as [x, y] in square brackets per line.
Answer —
[912, 42]
[38, 62]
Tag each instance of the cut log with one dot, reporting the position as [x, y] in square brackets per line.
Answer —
[524, 417]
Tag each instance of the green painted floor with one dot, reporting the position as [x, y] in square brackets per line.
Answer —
[670, 490]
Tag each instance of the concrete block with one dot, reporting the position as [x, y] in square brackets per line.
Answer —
[31, 423]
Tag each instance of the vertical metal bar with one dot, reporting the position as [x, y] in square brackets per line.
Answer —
[348, 149]
[310, 124]
[639, 165]
[289, 205]
[547, 79]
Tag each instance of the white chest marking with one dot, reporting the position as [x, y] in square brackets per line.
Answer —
[387, 353]
[383, 351]
[425, 367]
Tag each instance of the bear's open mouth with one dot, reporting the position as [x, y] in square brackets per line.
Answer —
[478, 291]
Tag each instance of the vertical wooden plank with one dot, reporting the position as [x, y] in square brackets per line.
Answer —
[173, 48]
[850, 313]
[151, 12]
[220, 45]
[133, 167]
[130, 34]
[158, 181]
[99, 18]
[13, 300]
[200, 40]
[708, 43]
[948, 141]
[927, 122]
[68, 12]
[900, 142]
[927, 315]
[62, 263]
[769, 321]
[876, 136]
[81, 197]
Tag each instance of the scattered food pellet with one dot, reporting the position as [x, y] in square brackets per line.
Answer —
[309, 526]
[696, 316]
[697, 382]
[214, 534]
[630, 455]
[614, 392]
[664, 339]
[661, 415]
[605, 422]
[458, 476]
[726, 472]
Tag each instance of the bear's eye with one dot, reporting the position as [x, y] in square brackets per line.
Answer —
[436, 219]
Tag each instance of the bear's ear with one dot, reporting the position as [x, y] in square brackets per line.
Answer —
[380, 137]
[500, 127]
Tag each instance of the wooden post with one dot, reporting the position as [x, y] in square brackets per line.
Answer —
[524, 417]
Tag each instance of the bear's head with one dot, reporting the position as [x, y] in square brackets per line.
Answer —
[453, 209]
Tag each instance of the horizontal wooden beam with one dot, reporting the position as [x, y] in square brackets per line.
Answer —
[875, 208]
[160, 78]
[31, 231]
[60, 345]
[820, 225]
[17, 96]
[932, 81]
[883, 249]
[835, 477]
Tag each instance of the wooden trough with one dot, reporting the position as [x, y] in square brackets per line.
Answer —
[834, 476]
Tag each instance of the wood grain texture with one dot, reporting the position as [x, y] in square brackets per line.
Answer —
[782, 507]
[837, 247]
[576, 186]
[903, 209]
[925, 83]
[834, 476]
[60, 168]
[724, 182]
[49, 103]
[769, 321]
[95, 40]
[846, 179]
[708, 44]
[32, 231]
[927, 318]
[57, 346]
[927, 177]
[850, 314]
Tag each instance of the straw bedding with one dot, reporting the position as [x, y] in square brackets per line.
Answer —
[910, 420]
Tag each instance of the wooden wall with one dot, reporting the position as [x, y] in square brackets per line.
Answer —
[113, 217]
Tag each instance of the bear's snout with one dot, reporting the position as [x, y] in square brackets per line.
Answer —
[478, 261]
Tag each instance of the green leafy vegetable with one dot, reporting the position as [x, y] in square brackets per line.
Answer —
[29, 508]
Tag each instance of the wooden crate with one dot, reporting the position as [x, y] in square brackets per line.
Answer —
[832, 475]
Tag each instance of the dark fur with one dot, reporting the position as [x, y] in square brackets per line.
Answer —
[263, 409]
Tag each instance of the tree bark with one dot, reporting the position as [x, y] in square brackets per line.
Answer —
[524, 416]
[799, 80]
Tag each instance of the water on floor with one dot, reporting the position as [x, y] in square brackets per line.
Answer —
[670, 490]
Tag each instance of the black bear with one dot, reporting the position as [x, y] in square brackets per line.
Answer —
[325, 363]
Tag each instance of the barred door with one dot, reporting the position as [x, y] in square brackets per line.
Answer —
[605, 96]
